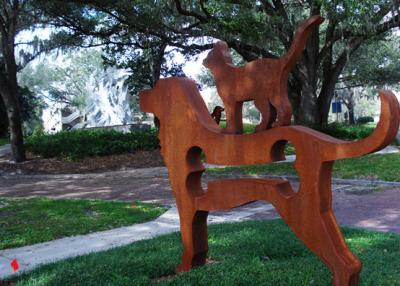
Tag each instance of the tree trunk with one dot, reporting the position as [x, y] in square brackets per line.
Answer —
[307, 112]
[352, 120]
[3, 120]
[11, 103]
[8, 77]
[324, 105]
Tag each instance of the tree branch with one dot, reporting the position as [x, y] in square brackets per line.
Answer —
[188, 13]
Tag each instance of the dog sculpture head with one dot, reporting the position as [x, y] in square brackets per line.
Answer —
[149, 101]
[219, 53]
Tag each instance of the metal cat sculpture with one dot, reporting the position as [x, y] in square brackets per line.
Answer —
[187, 130]
[262, 80]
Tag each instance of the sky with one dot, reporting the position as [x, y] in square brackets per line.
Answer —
[193, 68]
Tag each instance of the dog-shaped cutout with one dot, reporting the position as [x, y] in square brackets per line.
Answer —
[262, 80]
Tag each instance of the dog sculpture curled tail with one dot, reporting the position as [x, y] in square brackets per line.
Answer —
[262, 80]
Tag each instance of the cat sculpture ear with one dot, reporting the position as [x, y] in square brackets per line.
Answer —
[220, 52]
[221, 45]
[223, 48]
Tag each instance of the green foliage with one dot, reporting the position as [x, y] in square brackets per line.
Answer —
[82, 143]
[347, 132]
[375, 64]
[4, 141]
[247, 128]
[340, 131]
[365, 119]
[35, 220]
[246, 253]
[66, 83]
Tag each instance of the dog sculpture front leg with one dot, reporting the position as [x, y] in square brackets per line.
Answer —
[186, 184]
[194, 238]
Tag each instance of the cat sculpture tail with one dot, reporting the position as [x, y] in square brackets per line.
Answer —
[300, 41]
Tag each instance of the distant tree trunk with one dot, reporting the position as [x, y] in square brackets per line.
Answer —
[8, 77]
[352, 120]
[3, 119]
[307, 112]
[348, 99]
[10, 99]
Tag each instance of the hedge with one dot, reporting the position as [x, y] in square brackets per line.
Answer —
[83, 143]
[347, 132]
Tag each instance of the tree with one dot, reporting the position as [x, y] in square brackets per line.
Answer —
[10, 16]
[17, 16]
[252, 28]
[376, 64]
[3, 120]
[66, 82]
[122, 33]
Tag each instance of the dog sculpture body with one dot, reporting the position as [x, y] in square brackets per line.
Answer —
[187, 130]
[262, 80]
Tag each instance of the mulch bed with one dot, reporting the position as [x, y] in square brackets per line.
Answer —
[38, 165]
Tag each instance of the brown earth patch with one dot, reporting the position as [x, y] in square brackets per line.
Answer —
[37, 165]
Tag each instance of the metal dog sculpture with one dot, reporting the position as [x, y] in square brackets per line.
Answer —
[187, 130]
[262, 80]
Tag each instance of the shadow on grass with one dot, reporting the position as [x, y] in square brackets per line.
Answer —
[249, 253]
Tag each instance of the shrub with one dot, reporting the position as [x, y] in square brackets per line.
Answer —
[346, 132]
[83, 143]
[365, 119]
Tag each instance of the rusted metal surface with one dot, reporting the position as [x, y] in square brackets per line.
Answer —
[262, 80]
[187, 130]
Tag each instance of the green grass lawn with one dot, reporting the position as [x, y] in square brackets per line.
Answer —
[247, 127]
[379, 167]
[30, 221]
[248, 253]
[4, 141]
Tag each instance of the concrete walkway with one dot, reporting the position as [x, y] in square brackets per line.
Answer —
[30, 257]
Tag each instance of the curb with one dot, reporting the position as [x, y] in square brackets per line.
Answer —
[138, 173]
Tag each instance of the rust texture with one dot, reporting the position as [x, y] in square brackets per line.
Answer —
[187, 130]
[262, 80]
